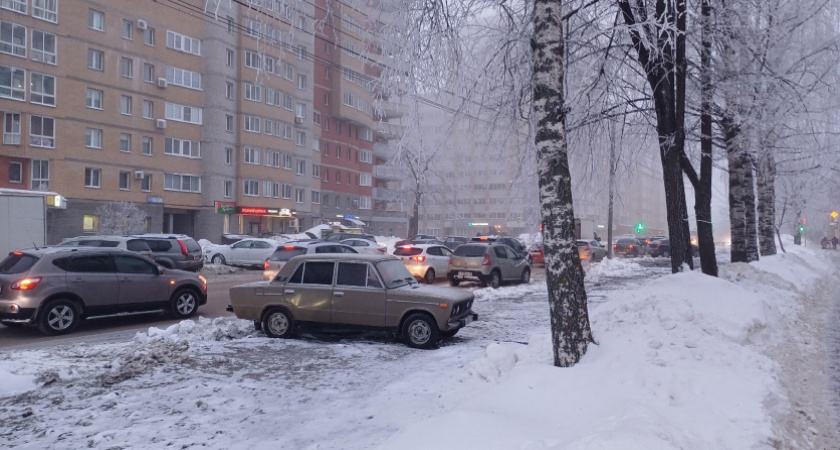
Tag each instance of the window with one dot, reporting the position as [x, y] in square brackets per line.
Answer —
[229, 57]
[316, 171]
[148, 73]
[275, 190]
[228, 123]
[288, 72]
[12, 39]
[95, 59]
[42, 89]
[228, 156]
[253, 92]
[42, 131]
[316, 144]
[316, 117]
[326, 200]
[230, 23]
[127, 29]
[252, 124]
[182, 147]
[146, 185]
[326, 174]
[365, 179]
[15, 172]
[252, 155]
[300, 139]
[45, 9]
[287, 161]
[183, 113]
[149, 37]
[228, 90]
[96, 20]
[183, 78]
[299, 193]
[125, 105]
[271, 64]
[316, 197]
[148, 109]
[125, 181]
[127, 67]
[251, 188]
[287, 102]
[11, 128]
[301, 167]
[327, 102]
[181, 182]
[301, 51]
[337, 176]
[93, 138]
[43, 47]
[252, 27]
[92, 177]
[125, 142]
[94, 98]
[40, 175]
[147, 145]
[301, 82]
[183, 43]
[12, 83]
[287, 191]
[272, 127]
[364, 203]
[252, 60]
[366, 156]
[300, 110]
[228, 189]
[90, 223]
[287, 131]
[14, 5]
[267, 188]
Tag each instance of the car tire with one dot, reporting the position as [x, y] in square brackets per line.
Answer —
[495, 280]
[217, 259]
[420, 331]
[278, 323]
[449, 333]
[666, 253]
[526, 277]
[59, 316]
[429, 278]
[183, 304]
[454, 281]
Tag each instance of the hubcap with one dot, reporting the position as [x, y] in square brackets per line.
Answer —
[185, 303]
[419, 332]
[60, 317]
[495, 280]
[217, 259]
[278, 324]
[430, 276]
[526, 276]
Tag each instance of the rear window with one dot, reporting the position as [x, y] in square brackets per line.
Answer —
[159, 245]
[285, 253]
[17, 263]
[411, 251]
[470, 251]
[137, 245]
[582, 243]
[627, 241]
[192, 245]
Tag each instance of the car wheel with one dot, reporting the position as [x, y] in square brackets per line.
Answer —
[59, 316]
[184, 303]
[666, 253]
[526, 277]
[495, 279]
[429, 278]
[450, 333]
[218, 259]
[454, 281]
[420, 331]
[278, 323]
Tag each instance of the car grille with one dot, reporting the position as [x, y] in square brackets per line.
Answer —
[461, 307]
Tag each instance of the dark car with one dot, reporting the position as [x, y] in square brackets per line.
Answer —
[628, 246]
[340, 236]
[56, 287]
[663, 248]
[513, 243]
[453, 241]
[175, 251]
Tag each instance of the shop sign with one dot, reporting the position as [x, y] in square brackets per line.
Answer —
[247, 210]
[225, 207]
[151, 199]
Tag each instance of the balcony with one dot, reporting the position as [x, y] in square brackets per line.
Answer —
[389, 130]
[385, 151]
[388, 172]
[390, 195]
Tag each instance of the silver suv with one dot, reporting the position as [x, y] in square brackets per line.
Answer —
[56, 287]
[175, 251]
[129, 243]
[490, 263]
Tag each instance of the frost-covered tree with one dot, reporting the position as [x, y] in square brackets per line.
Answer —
[121, 218]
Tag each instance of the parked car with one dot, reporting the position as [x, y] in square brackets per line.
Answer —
[453, 241]
[175, 251]
[491, 263]
[287, 251]
[513, 243]
[663, 248]
[427, 262]
[591, 250]
[365, 246]
[129, 243]
[537, 254]
[627, 246]
[357, 291]
[247, 252]
[419, 239]
[56, 287]
[340, 236]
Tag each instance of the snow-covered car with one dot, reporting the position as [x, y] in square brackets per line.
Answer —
[247, 252]
[365, 246]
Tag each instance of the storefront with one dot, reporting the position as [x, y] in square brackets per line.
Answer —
[259, 221]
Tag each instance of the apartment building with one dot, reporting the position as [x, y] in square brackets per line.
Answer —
[213, 118]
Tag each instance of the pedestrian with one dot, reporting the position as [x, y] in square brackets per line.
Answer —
[834, 241]
[824, 242]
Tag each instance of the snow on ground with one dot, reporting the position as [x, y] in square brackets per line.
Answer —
[683, 361]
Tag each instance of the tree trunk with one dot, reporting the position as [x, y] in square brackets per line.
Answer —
[703, 186]
[414, 220]
[766, 185]
[741, 194]
[570, 329]
[751, 225]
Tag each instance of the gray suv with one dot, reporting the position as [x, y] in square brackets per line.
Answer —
[56, 287]
[175, 251]
[491, 263]
[129, 243]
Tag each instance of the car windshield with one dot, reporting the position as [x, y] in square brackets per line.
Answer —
[394, 273]
[286, 253]
[470, 251]
[627, 241]
[17, 263]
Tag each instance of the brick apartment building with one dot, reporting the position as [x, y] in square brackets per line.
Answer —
[213, 117]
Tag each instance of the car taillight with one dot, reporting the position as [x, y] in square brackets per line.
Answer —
[381, 249]
[631, 245]
[587, 247]
[266, 265]
[418, 258]
[183, 248]
[615, 245]
[486, 260]
[26, 284]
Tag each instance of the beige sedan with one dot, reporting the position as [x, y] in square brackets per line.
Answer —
[353, 290]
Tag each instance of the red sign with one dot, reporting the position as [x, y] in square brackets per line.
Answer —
[252, 211]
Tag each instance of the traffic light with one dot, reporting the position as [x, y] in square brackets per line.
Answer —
[639, 227]
[801, 228]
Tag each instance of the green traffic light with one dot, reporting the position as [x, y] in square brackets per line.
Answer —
[639, 227]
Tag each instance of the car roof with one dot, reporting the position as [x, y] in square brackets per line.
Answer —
[341, 257]
[44, 251]
[162, 236]
[423, 246]
[313, 243]
[115, 237]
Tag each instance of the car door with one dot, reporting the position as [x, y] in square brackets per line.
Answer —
[260, 251]
[239, 251]
[517, 263]
[503, 261]
[439, 257]
[141, 285]
[358, 297]
[93, 279]
[308, 291]
[597, 251]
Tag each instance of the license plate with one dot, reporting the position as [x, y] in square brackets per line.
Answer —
[468, 318]
[464, 274]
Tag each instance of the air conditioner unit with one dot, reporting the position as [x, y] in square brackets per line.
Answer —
[141, 24]
[162, 82]
[139, 174]
[298, 119]
[160, 123]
